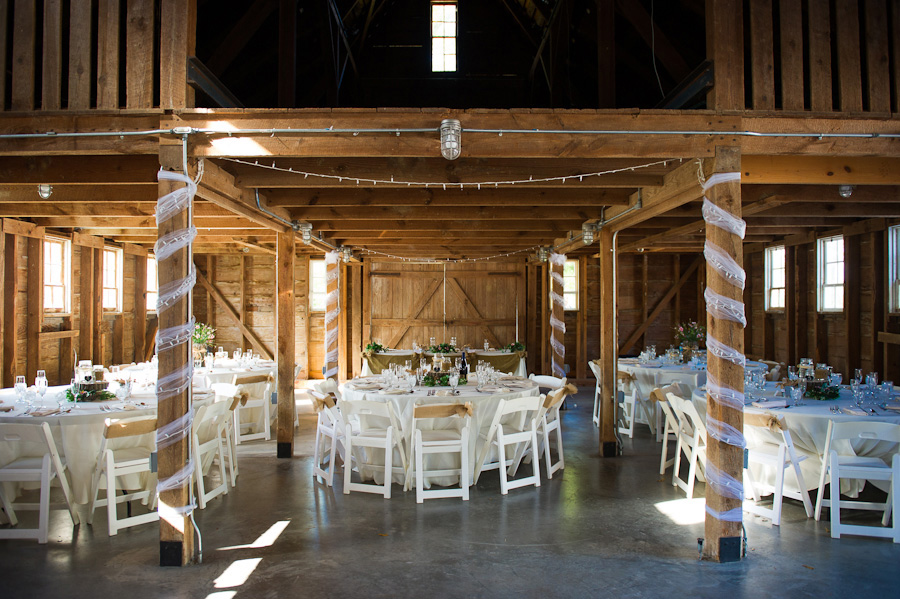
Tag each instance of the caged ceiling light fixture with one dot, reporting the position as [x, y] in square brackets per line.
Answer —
[45, 190]
[587, 233]
[305, 232]
[451, 137]
[845, 191]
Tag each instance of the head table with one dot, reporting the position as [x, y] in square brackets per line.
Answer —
[484, 406]
[501, 360]
[78, 427]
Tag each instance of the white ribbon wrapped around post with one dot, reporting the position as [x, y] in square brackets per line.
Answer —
[333, 298]
[179, 380]
[722, 307]
[557, 326]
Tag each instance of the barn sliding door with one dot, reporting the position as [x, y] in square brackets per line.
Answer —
[472, 302]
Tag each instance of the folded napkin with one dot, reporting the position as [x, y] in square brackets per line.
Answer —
[444, 392]
[517, 384]
[851, 411]
[512, 378]
[494, 389]
[6, 408]
[629, 361]
[891, 408]
[394, 392]
[366, 386]
[45, 412]
[771, 403]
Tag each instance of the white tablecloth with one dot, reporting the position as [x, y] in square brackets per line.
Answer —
[808, 426]
[484, 406]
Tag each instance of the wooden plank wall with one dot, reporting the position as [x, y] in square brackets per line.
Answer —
[845, 340]
[80, 55]
[823, 56]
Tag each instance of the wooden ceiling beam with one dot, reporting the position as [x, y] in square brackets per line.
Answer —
[408, 213]
[80, 193]
[821, 170]
[52, 208]
[520, 196]
[129, 222]
[73, 121]
[217, 186]
[847, 209]
[79, 170]
[438, 170]
[824, 193]
[555, 225]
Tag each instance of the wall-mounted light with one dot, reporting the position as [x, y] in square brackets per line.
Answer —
[451, 138]
[305, 232]
[346, 254]
[587, 233]
[845, 191]
[45, 190]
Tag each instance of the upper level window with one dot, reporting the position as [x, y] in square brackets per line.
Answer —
[894, 267]
[57, 275]
[443, 36]
[775, 278]
[152, 283]
[317, 286]
[570, 285]
[831, 274]
[112, 279]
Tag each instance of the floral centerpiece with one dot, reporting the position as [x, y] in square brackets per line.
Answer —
[89, 395]
[204, 335]
[442, 348]
[690, 334]
[374, 348]
[440, 379]
[515, 346]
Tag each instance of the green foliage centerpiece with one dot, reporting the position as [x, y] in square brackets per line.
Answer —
[374, 348]
[515, 346]
[442, 348]
[440, 379]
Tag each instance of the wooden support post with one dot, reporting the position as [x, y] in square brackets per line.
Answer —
[79, 95]
[86, 323]
[558, 338]
[176, 533]
[332, 276]
[139, 54]
[10, 302]
[645, 294]
[581, 351]
[802, 310]
[35, 308]
[790, 305]
[242, 306]
[366, 300]
[356, 339]
[544, 277]
[179, 42]
[139, 322]
[724, 46]
[284, 325]
[723, 538]
[852, 287]
[609, 444]
[877, 308]
[97, 307]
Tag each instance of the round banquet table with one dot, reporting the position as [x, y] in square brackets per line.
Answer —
[653, 374]
[808, 426]
[484, 406]
[78, 431]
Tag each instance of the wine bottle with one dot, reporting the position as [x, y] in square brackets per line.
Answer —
[464, 366]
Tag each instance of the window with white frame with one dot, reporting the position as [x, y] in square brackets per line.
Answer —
[152, 283]
[443, 37]
[570, 285]
[831, 274]
[318, 288]
[894, 268]
[112, 279]
[57, 275]
[775, 278]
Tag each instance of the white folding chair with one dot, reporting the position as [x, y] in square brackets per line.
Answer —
[630, 400]
[207, 435]
[37, 461]
[327, 386]
[230, 393]
[258, 390]
[514, 425]
[595, 368]
[781, 457]
[548, 421]
[840, 460]
[330, 430]
[378, 428]
[691, 442]
[441, 441]
[669, 427]
[125, 462]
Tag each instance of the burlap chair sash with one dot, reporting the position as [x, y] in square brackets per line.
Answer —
[559, 395]
[320, 402]
[767, 421]
[117, 429]
[443, 410]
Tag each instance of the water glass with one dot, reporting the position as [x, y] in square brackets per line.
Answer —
[454, 380]
[792, 373]
[796, 396]
[857, 374]
[453, 341]
[408, 365]
[835, 379]
[21, 385]
[872, 380]
[487, 345]
[431, 342]
[40, 383]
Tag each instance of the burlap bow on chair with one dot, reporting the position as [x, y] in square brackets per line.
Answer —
[559, 395]
[443, 410]
[324, 401]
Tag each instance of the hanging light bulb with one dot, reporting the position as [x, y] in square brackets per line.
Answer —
[451, 138]
[306, 232]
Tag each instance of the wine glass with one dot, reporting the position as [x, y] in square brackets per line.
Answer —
[454, 380]
[487, 345]
[796, 396]
[40, 383]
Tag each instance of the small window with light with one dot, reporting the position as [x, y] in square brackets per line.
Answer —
[318, 287]
[894, 268]
[570, 285]
[57, 275]
[443, 37]
[152, 283]
[831, 274]
[775, 278]
[113, 276]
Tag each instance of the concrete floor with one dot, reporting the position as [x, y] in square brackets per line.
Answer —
[594, 530]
